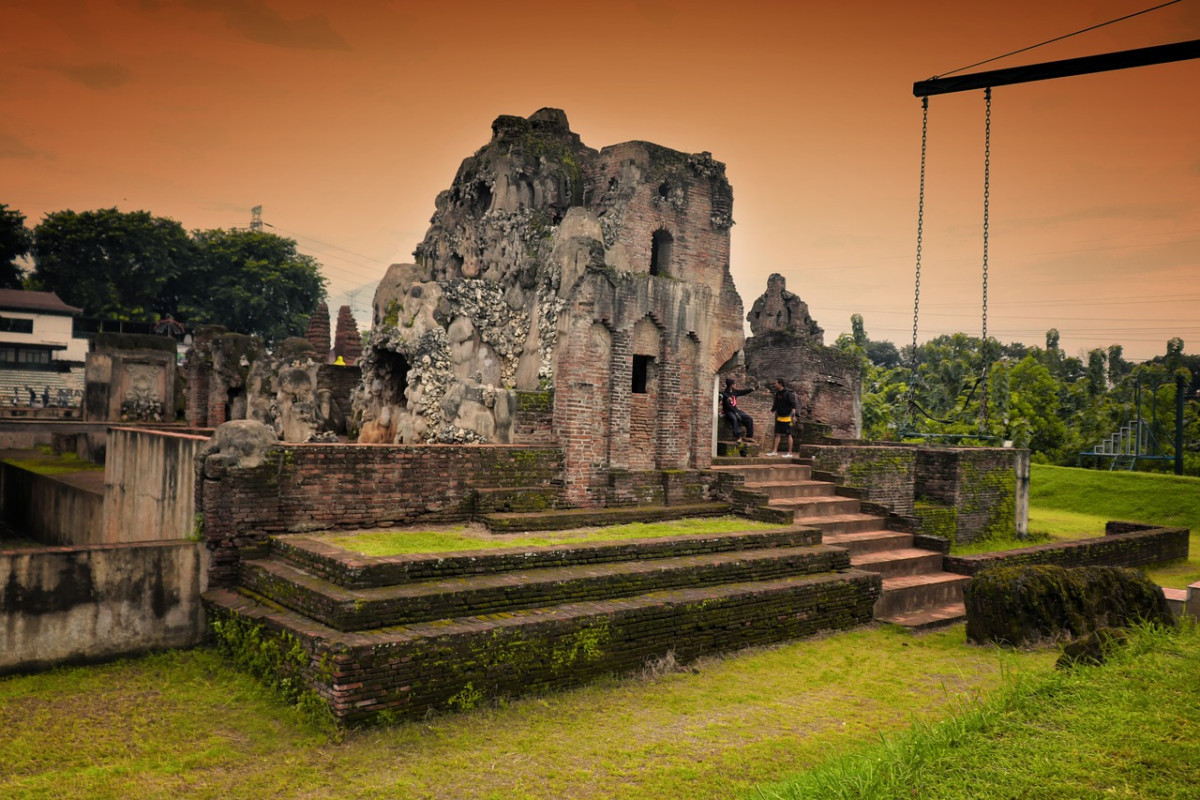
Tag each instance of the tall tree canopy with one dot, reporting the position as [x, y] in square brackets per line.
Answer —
[15, 241]
[252, 282]
[135, 266]
[113, 264]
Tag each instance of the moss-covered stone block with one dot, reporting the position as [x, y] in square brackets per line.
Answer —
[1017, 605]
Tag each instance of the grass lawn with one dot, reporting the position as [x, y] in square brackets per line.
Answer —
[186, 724]
[476, 537]
[1071, 503]
[1128, 729]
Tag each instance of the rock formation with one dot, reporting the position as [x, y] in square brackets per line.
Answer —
[600, 275]
[780, 310]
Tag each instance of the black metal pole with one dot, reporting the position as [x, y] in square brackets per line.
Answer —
[1125, 59]
[1178, 424]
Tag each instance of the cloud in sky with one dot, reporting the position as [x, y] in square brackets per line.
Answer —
[98, 76]
[257, 22]
[12, 147]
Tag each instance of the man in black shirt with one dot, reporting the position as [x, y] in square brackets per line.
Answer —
[737, 418]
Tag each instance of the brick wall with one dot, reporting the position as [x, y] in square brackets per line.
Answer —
[828, 381]
[307, 487]
[979, 482]
[886, 474]
[1125, 545]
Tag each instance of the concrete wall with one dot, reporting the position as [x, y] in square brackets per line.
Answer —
[49, 508]
[149, 485]
[66, 605]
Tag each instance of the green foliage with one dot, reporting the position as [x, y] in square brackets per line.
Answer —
[15, 241]
[113, 264]
[277, 658]
[1057, 406]
[251, 282]
[134, 266]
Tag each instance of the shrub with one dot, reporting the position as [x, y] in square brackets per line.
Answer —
[1022, 604]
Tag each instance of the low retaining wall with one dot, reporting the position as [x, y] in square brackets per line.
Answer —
[149, 485]
[49, 508]
[964, 494]
[83, 604]
[299, 488]
[1125, 544]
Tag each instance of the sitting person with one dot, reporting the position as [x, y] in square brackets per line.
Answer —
[737, 418]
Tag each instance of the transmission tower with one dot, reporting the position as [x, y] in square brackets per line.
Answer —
[256, 223]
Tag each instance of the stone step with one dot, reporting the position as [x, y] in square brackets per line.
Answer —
[841, 523]
[355, 571]
[901, 561]
[405, 672]
[566, 519]
[932, 617]
[915, 592]
[777, 490]
[809, 507]
[768, 470]
[362, 609]
[869, 541]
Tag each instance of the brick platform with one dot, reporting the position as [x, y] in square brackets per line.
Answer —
[396, 637]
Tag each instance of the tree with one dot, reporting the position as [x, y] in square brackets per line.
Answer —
[113, 264]
[250, 282]
[15, 241]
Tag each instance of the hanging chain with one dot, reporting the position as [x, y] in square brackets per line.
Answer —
[987, 167]
[912, 376]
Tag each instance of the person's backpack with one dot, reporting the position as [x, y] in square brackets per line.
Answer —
[794, 399]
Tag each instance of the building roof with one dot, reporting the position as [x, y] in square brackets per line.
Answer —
[35, 302]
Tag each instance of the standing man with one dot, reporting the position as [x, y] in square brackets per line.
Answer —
[784, 406]
[737, 418]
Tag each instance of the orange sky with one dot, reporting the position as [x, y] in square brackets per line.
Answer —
[345, 120]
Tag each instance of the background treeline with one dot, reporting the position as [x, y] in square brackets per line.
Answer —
[1036, 397]
[139, 267]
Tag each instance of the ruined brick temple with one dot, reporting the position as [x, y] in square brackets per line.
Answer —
[562, 296]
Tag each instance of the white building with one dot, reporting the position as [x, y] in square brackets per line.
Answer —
[41, 360]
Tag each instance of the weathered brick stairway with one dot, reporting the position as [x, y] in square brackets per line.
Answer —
[399, 636]
[917, 593]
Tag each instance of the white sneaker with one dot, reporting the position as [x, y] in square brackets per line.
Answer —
[772, 453]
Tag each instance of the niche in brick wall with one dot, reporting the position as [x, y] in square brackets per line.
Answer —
[643, 373]
[660, 252]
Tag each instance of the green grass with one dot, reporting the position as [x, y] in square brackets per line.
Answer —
[1060, 497]
[1067, 503]
[55, 465]
[185, 724]
[463, 537]
[1129, 729]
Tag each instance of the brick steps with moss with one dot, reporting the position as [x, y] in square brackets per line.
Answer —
[504, 591]
[917, 593]
[568, 518]
[404, 672]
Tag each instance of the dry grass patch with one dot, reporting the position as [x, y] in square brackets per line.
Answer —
[182, 723]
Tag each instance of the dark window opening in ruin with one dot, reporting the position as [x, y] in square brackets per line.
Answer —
[664, 190]
[482, 201]
[393, 368]
[456, 261]
[660, 253]
[641, 373]
[613, 183]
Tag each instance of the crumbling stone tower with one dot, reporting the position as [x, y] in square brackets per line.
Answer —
[562, 295]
